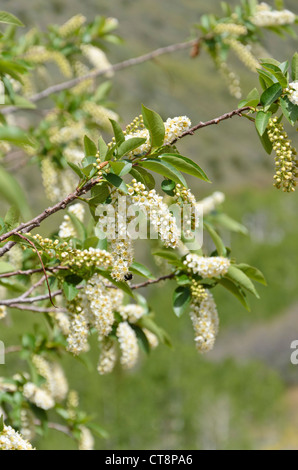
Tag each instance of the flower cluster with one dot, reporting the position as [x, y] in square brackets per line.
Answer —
[210, 203]
[293, 92]
[93, 308]
[207, 267]
[55, 380]
[265, 16]
[108, 356]
[38, 396]
[128, 344]
[97, 58]
[230, 29]
[188, 203]
[57, 183]
[243, 52]
[162, 221]
[67, 228]
[204, 317]
[74, 258]
[86, 441]
[121, 245]
[12, 440]
[231, 79]
[174, 128]
[40, 55]
[285, 161]
[71, 26]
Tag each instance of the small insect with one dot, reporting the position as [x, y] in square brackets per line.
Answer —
[128, 277]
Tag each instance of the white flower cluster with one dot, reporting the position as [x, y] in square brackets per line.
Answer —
[55, 388]
[152, 338]
[132, 312]
[3, 312]
[207, 267]
[95, 307]
[86, 441]
[38, 396]
[265, 16]
[121, 246]
[205, 320]
[62, 321]
[67, 228]
[27, 424]
[12, 440]
[128, 344]
[209, 203]
[108, 356]
[174, 128]
[293, 92]
[97, 58]
[188, 203]
[162, 221]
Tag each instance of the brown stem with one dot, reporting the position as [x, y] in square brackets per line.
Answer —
[98, 73]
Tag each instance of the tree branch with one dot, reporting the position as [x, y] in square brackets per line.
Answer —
[29, 272]
[98, 73]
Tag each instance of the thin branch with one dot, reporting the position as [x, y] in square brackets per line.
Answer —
[98, 73]
[224, 117]
[30, 300]
[31, 308]
[33, 287]
[153, 281]
[29, 272]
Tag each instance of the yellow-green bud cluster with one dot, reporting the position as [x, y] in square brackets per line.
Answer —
[243, 53]
[285, 161]
[230, 29]
[231, 79]
[71, 26]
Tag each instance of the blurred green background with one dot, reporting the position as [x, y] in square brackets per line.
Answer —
[245, 393]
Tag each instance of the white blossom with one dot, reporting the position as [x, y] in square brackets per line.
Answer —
[12, 440]
[266, 16]
[128, 344]
[207, 267]
[293, 94]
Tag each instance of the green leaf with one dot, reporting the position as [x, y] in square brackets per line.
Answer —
[294, 66]
[121, 285]
[129, 145]
[15, 135]
[252, 99]
[261, 121]
[103, 149]
[90, 147]
[267, 78]
[141, 270]
[13, 193]
[78, 225]
[6, 267]
[8, 18]
[165, 169]
[118, 133]
[277, 73]
[121, 168]
[289, 109]
[99, 194]
[12, 217]
[98, 430]
[252, 273]
[1, 423]
[76, 169]
[70, 291]
[168, 187]
[271, 94]
[149, 324]
[185, 164]
[143, 176]
[220, 247]
[117, 182]
[181, 300]
[227, 222]
[240, 278]
[142, 338]
[267, 144]
[234, 289]
[170, 256]
[155, 125]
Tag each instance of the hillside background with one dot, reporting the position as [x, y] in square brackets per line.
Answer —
[244, 394]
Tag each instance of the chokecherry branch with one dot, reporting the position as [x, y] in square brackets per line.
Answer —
[98, 73]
